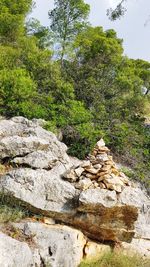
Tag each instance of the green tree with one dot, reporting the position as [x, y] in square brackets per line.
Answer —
[97, 59]
[67, 19]
[18, 92]
[118, 12]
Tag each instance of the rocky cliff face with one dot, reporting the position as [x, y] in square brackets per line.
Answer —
[92, 196]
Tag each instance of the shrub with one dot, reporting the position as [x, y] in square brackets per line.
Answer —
[11, 214]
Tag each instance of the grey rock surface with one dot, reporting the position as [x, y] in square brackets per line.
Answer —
[138, 246]
[56, 245]
[94, 197]
[93, 210]
[138, 198]
[16, 145]
[14, 253]
[37, 160]
[44, 191]
[26, 142]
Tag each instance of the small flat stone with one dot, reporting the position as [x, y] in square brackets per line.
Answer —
[103, 149]
[100, 179]
[83, 184]
[125, 180]
[106, 168]
[92, 170]
[92, 158]
[102, 157]
[48, 221]
[114, 181]
[119, 188]
[91, 176]
[115, 171]
[102, 173]
[110, 186]
[109, 162]
[104, 177]
[71, 176]
[86, 163]
[96, 185]
[79, 171]
[97, 166]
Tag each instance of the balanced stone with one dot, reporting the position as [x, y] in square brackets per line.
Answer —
[100, 143]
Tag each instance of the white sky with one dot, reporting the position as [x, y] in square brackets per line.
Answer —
[131, 27]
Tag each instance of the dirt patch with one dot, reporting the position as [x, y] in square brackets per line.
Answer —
[18, 234]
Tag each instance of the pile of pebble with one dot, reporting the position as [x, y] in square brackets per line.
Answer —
[98, 171]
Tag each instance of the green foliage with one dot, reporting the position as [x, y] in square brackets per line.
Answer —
[117, 260]
[16, 89]
[15, 7]
[9, 57]
[51, 126]
[127, 171]
[12, 17]
[81, 138]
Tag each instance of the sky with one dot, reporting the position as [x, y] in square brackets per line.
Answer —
[131, 28]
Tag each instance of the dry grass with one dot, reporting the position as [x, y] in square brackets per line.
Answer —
[117, 260]
[4, 169]
[11, 214]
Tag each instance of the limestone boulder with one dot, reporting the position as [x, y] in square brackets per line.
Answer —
[39, 190]
[55, 245]
[14, 253]
[23, 141]
[102, 217]
[16, 145]
[95, 211]
[138, 198]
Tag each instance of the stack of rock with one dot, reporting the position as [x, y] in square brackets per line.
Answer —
[99, 170]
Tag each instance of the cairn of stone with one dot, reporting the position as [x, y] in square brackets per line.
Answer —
[98, 171]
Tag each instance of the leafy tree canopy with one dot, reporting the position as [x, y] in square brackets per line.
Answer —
[12, 18]
[67, 19]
